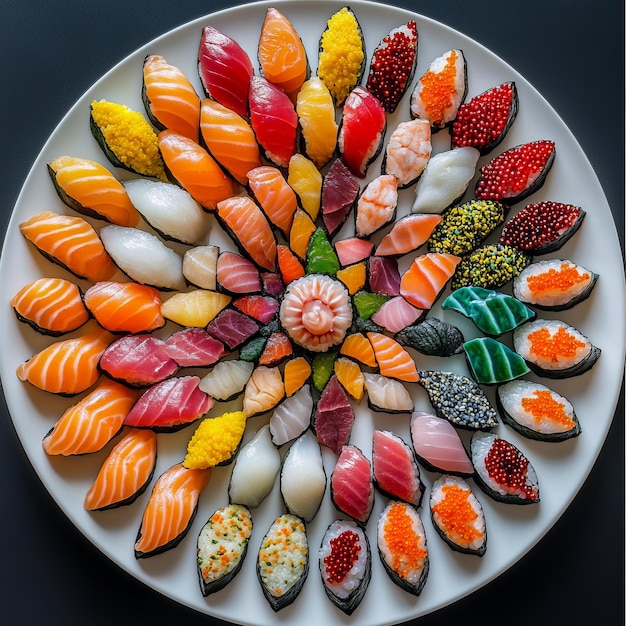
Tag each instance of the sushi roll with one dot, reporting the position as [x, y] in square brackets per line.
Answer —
[222, 547]
[502, 471]
[457, 515]
[345, 563]
[554, 284]
[283, 561]
[554, 349]
[352, 484]
[402, 547]
[536, 411]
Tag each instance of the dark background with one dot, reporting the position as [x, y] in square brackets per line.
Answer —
[50, 53]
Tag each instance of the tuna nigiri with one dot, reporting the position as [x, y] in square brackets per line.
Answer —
[340, 190]
[91, 423]
[194, 347]
[125, 473]
[352, 484]
[232, 328]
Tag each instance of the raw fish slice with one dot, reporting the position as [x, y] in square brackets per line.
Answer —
[261, 308]
[125, 473]
[195, 308]
[353, 250]
[169, 97]
[138, 360]
[384, 276]
[393, 360]
[189, 165]
[91, 423]
[353, 277]
[367, 303]
[426, 278]
[170, 510]
[170, 210]
[274, 120]
[322, 369]
[396, 314]
[125, 307]
[316, 116]
[387, 394]
[408, 234]
[194, 347]
[278, 347]
[292, 416]
[358, 347]
[236, 274]
[71, 242]
[255, 470]
[408, 151]
[376, 205]
[216, 440]
[225, 70]
[52, 306]
[352, 484]
[340, 190]
[170, 405]
[67, 367]
[91, 189]
[302, 230]
[334, 416]
[320, 255]
[144, 257]
[200, 266]
[232, 328]
[306, 180]
[289, 264]
[281, 53]
[227, 379]
[250, 229]
[230, 140]
[349, 375]
[362, 130]
[396, 474]
[264, 390]
[438, 446]
[296, 373]
[277, 199]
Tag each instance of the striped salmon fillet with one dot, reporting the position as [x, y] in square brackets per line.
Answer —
[277, 199]
[426, 277]
[393, 360]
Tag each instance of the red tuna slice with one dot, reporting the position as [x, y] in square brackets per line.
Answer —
[194, 347]
[138, 360]
[352, 484]
[334, 416]
[340, 190]
[225, 70]
[516, 173]
[232, 328]
[274, 120]
[484, 121]
[236, 274]
[272, 283]
[384, 276]
[396, 474]
[438, 446]
[352, 250]
[408, 234]
[396, 314]
[362, 130]
[426, 278]
[261, 308]
[170, 405]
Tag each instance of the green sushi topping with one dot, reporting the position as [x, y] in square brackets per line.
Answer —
[491, 362]
[320, 255]
[367, 303]
[323, 365]
[252, 350]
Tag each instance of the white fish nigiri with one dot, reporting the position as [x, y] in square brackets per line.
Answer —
[200, 266]
[255, 470]
[445, 179]
[292, 416]
[227, 379]
[387, 394]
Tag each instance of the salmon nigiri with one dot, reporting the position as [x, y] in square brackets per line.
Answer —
[169, 97]
[426, 277]
[170, 510]
[125, 473]
[91, 189]
[71, 242]
[52, 306]
[67, 367]
[408, 234]
[90, 424]
[393, 360]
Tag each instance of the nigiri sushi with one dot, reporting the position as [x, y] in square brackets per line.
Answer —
[236, 275]
[264, 390]
[396, 314]
[292, 417]
[296, 374]
[376, 205]
[353, 250]
[195, 308]
[194, 347]
[387, 394]
[352, 484]
[227, 379]
[306, 180]
[384, 275]
[426, 278]
[408, 234]
[232, 328]
[492, 362]
[408, 151]
[340, 190]
[350, 376]
[393, 360]
[333, 417]
[200, 266]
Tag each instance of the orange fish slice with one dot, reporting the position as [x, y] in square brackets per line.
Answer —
[194, 169]
[277, 199]
[264, 390]
[71, 242]
[230, 139]
[357, 347]
[91, 189]
[125, 307]
[170, 510]
[67, 367]
[52, 306]
[295, 374]
[350, 377]
[289, 264]
[302, 230]
[306, 180]
[426, 278]
[126, 471]
[169, 97]
[393, 360]
[91, 423]
[408, 234]
[277, 348]
[250, 229]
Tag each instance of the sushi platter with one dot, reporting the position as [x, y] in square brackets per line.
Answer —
[344, 329]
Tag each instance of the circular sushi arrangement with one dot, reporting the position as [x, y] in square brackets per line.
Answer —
[257, 355]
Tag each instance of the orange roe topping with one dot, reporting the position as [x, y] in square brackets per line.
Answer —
[436, 88]
[553, 347]
[457, 514]
[544, 406]
[403, 541]
[562, 279]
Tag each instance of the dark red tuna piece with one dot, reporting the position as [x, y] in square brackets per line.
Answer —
[272, 283]
[194, 347]
[352, 484]
[261, 308]
[232, 328]
[340, 190]
[516, 172]
[334, 416]
[484, 121]
[384, 275]
[393, 64]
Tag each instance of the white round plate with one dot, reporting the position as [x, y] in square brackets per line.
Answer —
[512, 530]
